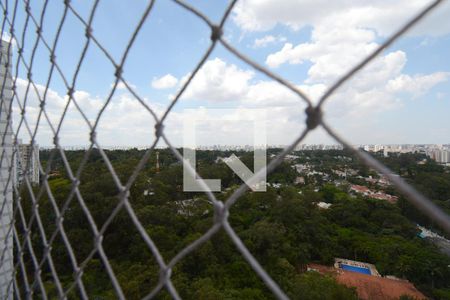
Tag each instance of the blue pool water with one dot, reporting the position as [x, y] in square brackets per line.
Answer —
[355, 269]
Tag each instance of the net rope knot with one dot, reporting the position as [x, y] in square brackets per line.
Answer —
[118, 72]
[47, 249]
[78, 272]
[165, 274]
[70, 92]
[220, 212]
[159, 127]
[216, 32]
[313, 117]
[124, 193]
[88, 32]
[92, 136]
[98, 240]
[75, 182]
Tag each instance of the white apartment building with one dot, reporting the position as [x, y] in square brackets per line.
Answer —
[6, 169]
[440, 155]
[27, 163]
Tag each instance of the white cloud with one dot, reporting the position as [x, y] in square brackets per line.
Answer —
[218, 81]
[264, 41]
[269, 93]
[164, 82]
[332, 59]
[383, 79]
[233, 126]
[256, 15]
[341, 38]
[379, 88]
[267, 40]
[124, 122]
[357, 106]
[331, 50]
[343, 33]
[383, 16]
[122, 86]
[416, 85]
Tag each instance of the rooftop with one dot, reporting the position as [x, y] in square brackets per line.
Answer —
[371, 287]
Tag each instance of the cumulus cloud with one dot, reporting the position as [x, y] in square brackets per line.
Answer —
[219, 81]
[327, 44]
[342, 35]
[124, 122]
[255, 15]
[122, 86]
[267, 40]
[333, 51]
[269, 93]
[165, 82]
[382, 16]
[341, 38]
[380, 87]
[416, 85]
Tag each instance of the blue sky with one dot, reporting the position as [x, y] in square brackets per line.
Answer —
[402, 97]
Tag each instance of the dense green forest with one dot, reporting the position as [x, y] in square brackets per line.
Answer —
[283, 227]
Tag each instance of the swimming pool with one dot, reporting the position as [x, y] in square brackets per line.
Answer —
[355, 269]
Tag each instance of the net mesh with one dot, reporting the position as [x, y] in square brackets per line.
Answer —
[20, 226]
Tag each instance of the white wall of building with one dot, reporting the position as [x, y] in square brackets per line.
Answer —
[6, 177]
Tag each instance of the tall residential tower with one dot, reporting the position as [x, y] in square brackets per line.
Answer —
[27, 163]
[6, 173]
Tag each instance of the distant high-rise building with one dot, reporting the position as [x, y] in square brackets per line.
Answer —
[6, 173]
[440, 155]
[27, 163]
